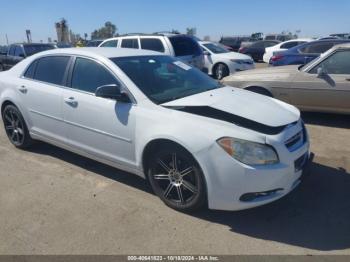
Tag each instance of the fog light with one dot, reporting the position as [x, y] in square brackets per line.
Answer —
[252, 196]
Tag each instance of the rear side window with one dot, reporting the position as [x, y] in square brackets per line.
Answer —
[152, 44]
[316, 48]
[130, 43]
[12, 50]
[112, 43]
[19, 51]
[31, 70]
[89, 75]
[290, 45]
[185, 46]
[51, 69]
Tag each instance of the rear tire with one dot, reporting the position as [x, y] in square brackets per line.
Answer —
[2, 68]
[177, 179]
[15, 127]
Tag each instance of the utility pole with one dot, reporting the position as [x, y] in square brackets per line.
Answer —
[7, 40]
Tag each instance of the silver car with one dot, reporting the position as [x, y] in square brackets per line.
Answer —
[322, 85]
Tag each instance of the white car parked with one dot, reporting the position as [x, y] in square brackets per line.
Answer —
[196, 141]
[269, 51]
[222, 62]
[183, 47]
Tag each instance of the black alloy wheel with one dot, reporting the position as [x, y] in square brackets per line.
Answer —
[177, 179]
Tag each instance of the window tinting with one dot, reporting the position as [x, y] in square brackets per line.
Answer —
[19, 51]
[290, 44]
[316, 48]
[112, 43]
[51, 69]
[89, 75]
[152, 44]
[338, 63]
[184, 46]
[130, 43]
[31, 70]
[33, 49]
[12, 50]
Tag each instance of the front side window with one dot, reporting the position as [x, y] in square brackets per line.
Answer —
[163, 78]
[337, 63]
[130, 43]
[111, 43]
[88, 75]
[51, 69]
[185, 46]
[153, 44]
[216, 49]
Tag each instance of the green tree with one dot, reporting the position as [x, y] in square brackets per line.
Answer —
[107, 31]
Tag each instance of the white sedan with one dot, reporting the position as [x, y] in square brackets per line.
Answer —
[269, 51]
[197, 142]
[222, 62]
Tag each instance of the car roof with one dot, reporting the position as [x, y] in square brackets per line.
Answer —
[108, 52]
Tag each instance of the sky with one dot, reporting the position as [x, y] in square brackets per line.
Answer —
[210, 17]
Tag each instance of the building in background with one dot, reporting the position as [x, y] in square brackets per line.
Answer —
[63, 34]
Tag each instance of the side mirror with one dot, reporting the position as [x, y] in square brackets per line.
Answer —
[21, 55]
[206, 53]
[113, 92]
[321, 72]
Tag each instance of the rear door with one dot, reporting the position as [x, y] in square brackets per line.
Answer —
[40, 90]
[330, 92]
[188, 50]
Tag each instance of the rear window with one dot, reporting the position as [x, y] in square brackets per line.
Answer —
[152, 44]
[33, 49]
[185, 46]
[130, 43]
[51, 69]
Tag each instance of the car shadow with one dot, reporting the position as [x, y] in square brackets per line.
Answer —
[326, 119]
[316, 215]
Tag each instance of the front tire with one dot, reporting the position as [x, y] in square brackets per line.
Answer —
[177, 179]
[15, 127]
[220, 71]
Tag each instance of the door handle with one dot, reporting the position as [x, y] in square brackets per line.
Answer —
[347, 79]
[71, 101]
[23, 89]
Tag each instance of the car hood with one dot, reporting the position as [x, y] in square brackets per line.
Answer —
[240, 107]
[233, 55]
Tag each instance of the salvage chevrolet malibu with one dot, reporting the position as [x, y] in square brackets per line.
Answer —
[197, 142]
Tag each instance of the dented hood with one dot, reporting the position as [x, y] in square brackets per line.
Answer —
[234, 103]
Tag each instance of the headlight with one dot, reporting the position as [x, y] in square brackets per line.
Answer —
[249, 153]
[236, 61]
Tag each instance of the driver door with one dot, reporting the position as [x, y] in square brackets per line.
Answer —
[101, 127]
[326, 92]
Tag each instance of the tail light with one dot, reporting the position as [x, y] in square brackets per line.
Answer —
[276, 58]
[241, 50]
